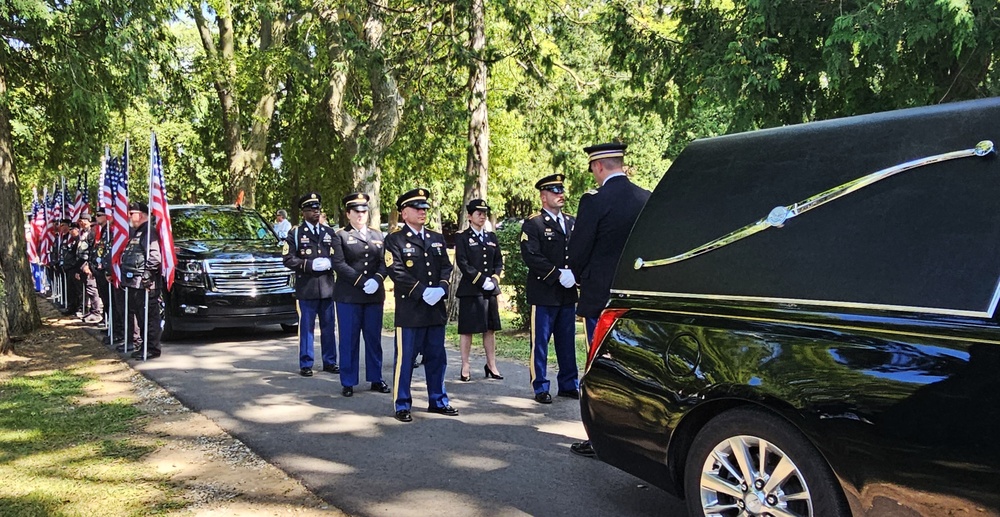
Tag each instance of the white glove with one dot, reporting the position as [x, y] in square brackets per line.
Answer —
[371, 285]
[432, 295]
[488, 285]
[321, 264]
[566, 278]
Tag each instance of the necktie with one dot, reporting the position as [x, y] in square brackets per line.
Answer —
[482, 238]
[562, 225]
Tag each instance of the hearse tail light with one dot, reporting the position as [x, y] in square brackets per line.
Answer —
[604, 323]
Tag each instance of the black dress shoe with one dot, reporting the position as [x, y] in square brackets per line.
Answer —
[331, 369]
[465, 378]
[490, 374]
[120, 346]
[306, 372]
[149, 355]
[543, 397]
[348, 391]
[446, 410]
[573, 394]
[380, 387]
[583, 449]
[403, 415]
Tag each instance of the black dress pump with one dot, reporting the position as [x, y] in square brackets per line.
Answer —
[491, 375]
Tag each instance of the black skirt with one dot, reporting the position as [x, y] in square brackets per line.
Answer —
[478, 314]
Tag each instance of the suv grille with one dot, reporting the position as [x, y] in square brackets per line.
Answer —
[249, 276]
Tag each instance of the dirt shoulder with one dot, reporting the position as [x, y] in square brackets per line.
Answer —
[209, 470]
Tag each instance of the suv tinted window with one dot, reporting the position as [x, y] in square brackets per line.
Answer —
[219, 224]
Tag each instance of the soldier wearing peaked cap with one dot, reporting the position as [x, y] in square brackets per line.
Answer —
[308, 251]
[551, 290]
[359, 260]
[419, 267]
[605, 219]
[85, 248]
[478, 257]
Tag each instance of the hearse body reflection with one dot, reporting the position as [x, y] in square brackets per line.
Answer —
[804, 322]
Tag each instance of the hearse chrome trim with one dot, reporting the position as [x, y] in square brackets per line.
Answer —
[987, 313]
[779, 215]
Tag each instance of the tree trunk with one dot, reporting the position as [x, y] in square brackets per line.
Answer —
[477, 158]
[245, 160]
[365, 142]
[20, 310]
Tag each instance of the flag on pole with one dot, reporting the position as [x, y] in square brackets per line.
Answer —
[84, 207]
[76, 207]
[34, 231]
[104, 197]
[161, 215]
[120, 226]
[49, 234]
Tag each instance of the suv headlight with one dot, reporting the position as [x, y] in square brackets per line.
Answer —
[191, 273]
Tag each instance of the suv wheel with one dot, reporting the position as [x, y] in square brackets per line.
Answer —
[749, 462]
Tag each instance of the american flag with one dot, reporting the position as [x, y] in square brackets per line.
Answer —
[104, 199]
[57, 206]
[35, 227]
[49, 234]
[158, 210]
[76, 207]
[119, 225]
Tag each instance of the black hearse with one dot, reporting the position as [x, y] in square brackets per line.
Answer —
[804, 322]
[229, 272]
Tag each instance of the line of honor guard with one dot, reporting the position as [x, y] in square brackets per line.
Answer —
[340, 275]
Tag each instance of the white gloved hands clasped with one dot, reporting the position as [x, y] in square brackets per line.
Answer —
[432, 295]
[488, 285]
[566, 278]
[371, 285]
[321, 264]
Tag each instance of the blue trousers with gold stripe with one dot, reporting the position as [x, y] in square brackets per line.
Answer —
[357, 319]
[557, 322]
[430, 342]
[308, 311]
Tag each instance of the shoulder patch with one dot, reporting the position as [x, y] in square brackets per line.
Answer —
[388, 258]
[524, 236]
[590, 192]
[284, 248]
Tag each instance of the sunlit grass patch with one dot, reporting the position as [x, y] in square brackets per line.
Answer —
[64, 458]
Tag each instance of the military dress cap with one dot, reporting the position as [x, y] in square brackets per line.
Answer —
[356, 201]
[65, 221]
[310, 200]
[100, 211]
[601, 151]
[477, 204]
[416, 198]
[552, 183]
[85, 216]
[138, 206]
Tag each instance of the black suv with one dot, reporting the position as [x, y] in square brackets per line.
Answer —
[804, 322]
[229, 272]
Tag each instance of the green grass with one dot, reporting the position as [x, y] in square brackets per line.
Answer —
[511, 343]
[60, 457]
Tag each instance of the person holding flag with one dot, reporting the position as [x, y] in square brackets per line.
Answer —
[140, 268]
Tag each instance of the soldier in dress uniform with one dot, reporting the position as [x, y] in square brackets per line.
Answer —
[142, 275]
[71, 263]
[308, 251]
[85, 250]
[359, 260]
[551, 290]
[418, 264]
[606, 217]
[478, 257]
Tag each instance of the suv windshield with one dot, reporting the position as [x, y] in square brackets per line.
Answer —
[225, 224]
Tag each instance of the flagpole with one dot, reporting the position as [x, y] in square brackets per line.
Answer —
[149, 225]
[62, 273]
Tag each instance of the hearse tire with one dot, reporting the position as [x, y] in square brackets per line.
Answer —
[787, 450]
